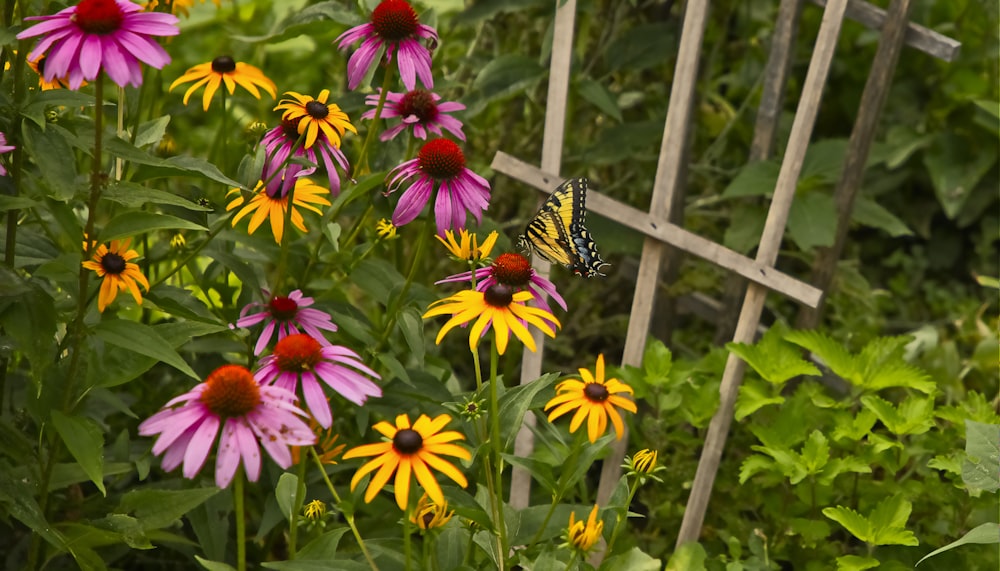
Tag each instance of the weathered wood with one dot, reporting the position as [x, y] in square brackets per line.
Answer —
[552, 147]
[872, 101]
[926, 40]
[665, 232]
[767, 253]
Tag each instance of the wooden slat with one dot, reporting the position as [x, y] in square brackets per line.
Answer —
[872, 101]
[667, 233]
[552, 147]
[753, 304]
[917, 36]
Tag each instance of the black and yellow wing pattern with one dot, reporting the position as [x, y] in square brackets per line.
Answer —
[557, 232]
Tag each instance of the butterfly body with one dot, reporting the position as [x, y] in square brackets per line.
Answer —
[557, 232]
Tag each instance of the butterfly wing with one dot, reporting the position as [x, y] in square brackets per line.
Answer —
[557, 232]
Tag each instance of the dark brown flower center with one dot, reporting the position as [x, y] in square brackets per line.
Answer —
[394, 20]
[512, 269]
[282, 308]
[595, 392]
[290, 128]
[99, 17]
[499, 295]
[297, 353]
[407, 441]
[223, 64]
[317, 110]
[419, 102]
[113, 263]
[231, 392]
[441, 159]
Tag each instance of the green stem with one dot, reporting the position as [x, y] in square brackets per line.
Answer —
[356, 228]
[392, 311]
[572, 560]
[545, 522]
[348, 516]
[497, 451]
[119, 162]
[300, 496]
[220, 226]
[362, 162]
[241, 524]
[407, 538]
[621, 517]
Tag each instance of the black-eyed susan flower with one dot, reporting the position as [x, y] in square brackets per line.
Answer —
[315, 116]
[497, 307]
[267, 206]
[582, 535]
[467, 247]
[512, 269]
[430, 514]
[411, 450]
[643, 465]
[314, 510]
[327, 448]
[395, 27]
[224, 70]
[181, 7]
[421, 110]
[119, 273]
[595, 399]
[37, 65]
[281, 142]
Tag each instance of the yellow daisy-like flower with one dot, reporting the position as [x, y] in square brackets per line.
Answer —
[119, 273]
[315, 116]
[265, 207]
[224, 70]
[467, 247]
[583, 535]
[38, 66]
[644, 461]
[498, 307]
[410, 450]
[326, 445]
[385, 229]
[595, 399]
[314, 510]
[430, 514]
[178, 6]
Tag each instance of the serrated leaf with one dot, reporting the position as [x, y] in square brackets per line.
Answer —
[890, 513]
[832, 353]
[688, 557]
[838, 466]
[982, 534]
[754, 396]
[856, 427]
[981, 469]
[852, 521]
[85, 441]
[135, 223]
[815, 452]
[144, 340]
[773, 359]
[856, 563]
[753, 465]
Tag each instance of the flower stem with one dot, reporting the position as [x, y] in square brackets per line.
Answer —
[241, 540]
[622, 516]
[392, 311]
[293, 518]
[373, 126]
[497, 451]
[348, 516]
[407, 539]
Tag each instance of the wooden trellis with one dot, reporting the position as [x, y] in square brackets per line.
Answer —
[660, 233]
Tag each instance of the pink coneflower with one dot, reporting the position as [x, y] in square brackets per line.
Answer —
[440, 166]
[248, 413]
[395, 27]
[286, 315]
[4, 148]
[420, 109]
[95, 35]
[514, 270]
[301, 357]
[278, 144]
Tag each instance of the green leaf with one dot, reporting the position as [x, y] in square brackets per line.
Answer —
[981, 469]
[85, 442]
[514, 402]
[773, 359]
[135, 223]
[811, 531]
[869, 213]
[30, 322]
[18, 500]
[753, 465]
[539, 470]
[507, 74]
[956, 166]
[755, 395]
[983, 534]
[854, 428]
[852, 521]
[285, 492]
[914, 416]
[144, 340]
[151, 132]
[885, 525]
[856, 563]
[157, 509]
[41, 101]
[832, 353]
[324, 546]
[633, 560]
[136, 195]
[815, 452]
[49, 149]
[411, 324]
[214, 565]
[688, 557]
[754, 179]
[128, 529]
[812, 220]
[598, 95]
[838, 466]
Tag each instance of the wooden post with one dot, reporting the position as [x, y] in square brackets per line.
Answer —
[767, 253]
[552, 146]
[872, 101]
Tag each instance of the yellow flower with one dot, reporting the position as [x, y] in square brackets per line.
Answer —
[178, 241]
[595, 399]
[385, 229]
[644, 461]
[314, 510]
[38, 66]
[315, 116]
[583, 536]
[468, 248]
[266, 207]
[177, 6]
[498, 307]
[224, 70]
[118, 272]
[326, 445]
[410, 450]
[430, 514]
